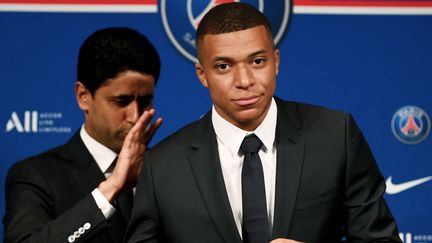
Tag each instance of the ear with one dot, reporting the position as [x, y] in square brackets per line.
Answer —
[83, 96]
[277, 60]
[200, 74]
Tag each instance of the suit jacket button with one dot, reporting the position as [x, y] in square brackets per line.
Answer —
[81, 230]
[87, 226]
[77, 234]
[71, 238]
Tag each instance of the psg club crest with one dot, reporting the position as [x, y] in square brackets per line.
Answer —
[180, 19]
[410, 124]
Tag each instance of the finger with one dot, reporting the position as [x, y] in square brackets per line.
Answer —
[140, 126]
[152, 130]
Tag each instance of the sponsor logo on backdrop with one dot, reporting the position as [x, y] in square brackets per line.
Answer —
[93, 6]
[409, 237]
[180, 19]
[410, 124]
[36, 122]
[385, 7]
[393, 188]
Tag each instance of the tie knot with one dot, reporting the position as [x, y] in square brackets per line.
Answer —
[251, 144]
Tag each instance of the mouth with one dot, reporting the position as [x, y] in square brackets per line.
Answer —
[246, 101]
[123, 133]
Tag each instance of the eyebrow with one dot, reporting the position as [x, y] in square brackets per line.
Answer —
[257, 53]
[148, 96]
[229, 59]
[123, 96]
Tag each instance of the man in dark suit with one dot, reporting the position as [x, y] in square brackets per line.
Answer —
[75, 192]
[310, 176]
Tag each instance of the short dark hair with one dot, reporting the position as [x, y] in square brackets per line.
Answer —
[110, 51]
[230, 17]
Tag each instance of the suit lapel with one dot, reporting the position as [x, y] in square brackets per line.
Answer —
[88, 177]
[290, 150]
[85, 169]
[205, 164]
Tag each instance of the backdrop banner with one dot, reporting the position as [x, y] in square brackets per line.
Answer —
[371, 58]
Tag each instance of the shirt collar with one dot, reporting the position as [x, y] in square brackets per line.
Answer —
[101, 154]
[232, 136]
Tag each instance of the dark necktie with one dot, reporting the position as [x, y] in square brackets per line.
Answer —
[255, 221]
[123, 205]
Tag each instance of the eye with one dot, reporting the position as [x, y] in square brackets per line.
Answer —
[122, 102]
[145, 101]
[258, 61]
[222, 66]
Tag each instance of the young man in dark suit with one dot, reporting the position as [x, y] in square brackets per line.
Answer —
[257, 168]
[76, 192]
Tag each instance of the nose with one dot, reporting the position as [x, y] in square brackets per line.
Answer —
[133, 112]
[243, 77]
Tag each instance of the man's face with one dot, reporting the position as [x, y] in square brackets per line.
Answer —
[115, 106]
[239, 69]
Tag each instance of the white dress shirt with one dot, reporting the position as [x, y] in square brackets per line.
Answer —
[229, 139]
[104, 158]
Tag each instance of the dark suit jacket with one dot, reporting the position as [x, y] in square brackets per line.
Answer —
[48, 198]
[327, 184]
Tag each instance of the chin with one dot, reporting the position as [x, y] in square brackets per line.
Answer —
[117, 144]
[248, 123]
[117, 148]
[249, 115]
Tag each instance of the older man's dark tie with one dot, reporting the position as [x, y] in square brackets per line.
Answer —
[255, 222]
[123, 205]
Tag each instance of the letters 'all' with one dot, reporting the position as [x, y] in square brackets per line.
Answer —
[30, 122]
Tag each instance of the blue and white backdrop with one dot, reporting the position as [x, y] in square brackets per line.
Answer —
[372, 58]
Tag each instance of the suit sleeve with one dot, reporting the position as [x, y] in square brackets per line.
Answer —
[144, 225]
[30, 214]
[368, 216]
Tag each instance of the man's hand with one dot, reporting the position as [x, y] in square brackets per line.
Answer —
[280, 240]
[130, 160]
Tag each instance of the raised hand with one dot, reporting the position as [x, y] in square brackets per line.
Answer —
[131, 157]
